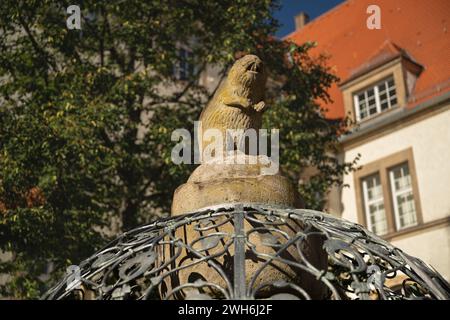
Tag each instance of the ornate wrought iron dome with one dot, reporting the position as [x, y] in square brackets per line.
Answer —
[249, 251]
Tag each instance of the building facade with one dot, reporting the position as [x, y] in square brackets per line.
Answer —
[395, 85]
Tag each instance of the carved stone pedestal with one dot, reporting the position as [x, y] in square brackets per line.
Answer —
[217, 183]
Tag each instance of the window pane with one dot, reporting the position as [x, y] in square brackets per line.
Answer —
[363, 115]
[402, 194]
[372, 107]
[392, 93]
[362, 108]
[377, 98]
[384, 105]
[393, 101]
[374, 204]
[407, 210]
[390, 83]
[183, 69]
[374, 188]
[378, 218]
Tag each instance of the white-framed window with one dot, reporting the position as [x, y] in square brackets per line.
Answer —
[374, 204]
[375, 99]
[402, 197]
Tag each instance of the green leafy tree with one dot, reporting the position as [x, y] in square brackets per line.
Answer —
[86, 118]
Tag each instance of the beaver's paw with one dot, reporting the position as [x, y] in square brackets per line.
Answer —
[260, 106]
[238, 102]
[245, 102]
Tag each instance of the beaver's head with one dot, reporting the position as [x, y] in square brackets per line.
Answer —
[247, 77]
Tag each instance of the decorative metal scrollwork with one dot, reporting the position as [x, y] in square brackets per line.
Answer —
[249, 251]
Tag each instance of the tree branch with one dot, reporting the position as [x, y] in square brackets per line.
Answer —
[40, 51]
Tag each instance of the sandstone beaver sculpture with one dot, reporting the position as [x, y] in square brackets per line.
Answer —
[239, 101]
[237, 104]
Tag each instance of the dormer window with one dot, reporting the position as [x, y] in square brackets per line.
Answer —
[375, 99]
[383, 82]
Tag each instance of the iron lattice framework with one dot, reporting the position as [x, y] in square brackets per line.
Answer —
[242, 251]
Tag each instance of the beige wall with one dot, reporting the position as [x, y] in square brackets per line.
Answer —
[430, 141]
[432, 246]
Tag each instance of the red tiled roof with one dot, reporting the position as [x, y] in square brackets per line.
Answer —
[386, 53]
[416, 29]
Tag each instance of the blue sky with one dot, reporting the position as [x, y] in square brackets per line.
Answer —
[290, 8]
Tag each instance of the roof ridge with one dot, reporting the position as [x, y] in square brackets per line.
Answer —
[397, 50]
[388, 44]
[380, 56]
